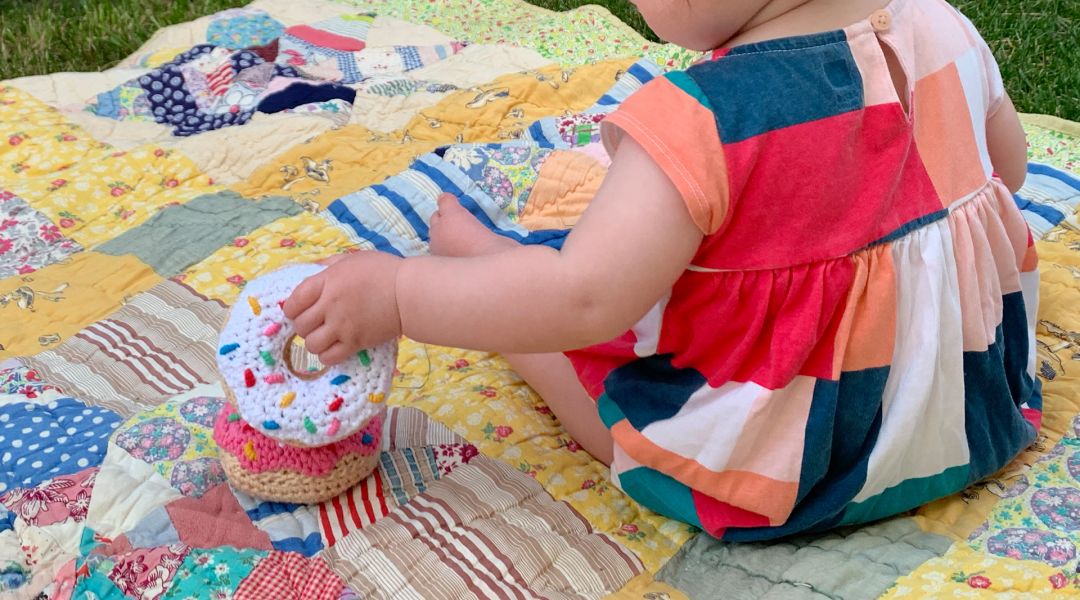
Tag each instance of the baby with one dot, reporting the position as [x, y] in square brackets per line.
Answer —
[803, 296]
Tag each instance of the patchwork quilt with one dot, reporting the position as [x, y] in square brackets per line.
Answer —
[136, 203]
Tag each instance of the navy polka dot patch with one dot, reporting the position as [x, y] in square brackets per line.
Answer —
[171, 103]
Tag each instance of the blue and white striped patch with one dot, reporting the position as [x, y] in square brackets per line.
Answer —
[545, 132]
[639, 73]
[393, 216]
[355, 27]
[290, 527]
[1049, 197]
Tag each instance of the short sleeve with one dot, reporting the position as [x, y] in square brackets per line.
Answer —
[991, 70]
[673, 121]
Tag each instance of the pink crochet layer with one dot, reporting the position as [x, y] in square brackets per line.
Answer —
[242, 441]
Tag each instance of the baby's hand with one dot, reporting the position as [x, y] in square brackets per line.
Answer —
[347, 307]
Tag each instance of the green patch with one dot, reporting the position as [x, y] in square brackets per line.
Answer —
[180, 236]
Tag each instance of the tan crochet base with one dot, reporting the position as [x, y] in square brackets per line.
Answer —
[289, 486]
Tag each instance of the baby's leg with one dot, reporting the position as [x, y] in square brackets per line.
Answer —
[554, 378]
[455, 232]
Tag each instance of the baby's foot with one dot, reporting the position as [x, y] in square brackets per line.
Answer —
[456, 232]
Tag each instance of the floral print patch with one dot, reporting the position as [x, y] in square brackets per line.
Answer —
[177, 438]
[147, 573]
[28, 239]
[243, 28]
[585, 35]
[54, 501]
[506, 172]
[25, 382]
[451, 456]
[1038, 516]
[213, 573]
[154, 440]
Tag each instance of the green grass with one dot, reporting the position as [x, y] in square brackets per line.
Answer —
[1037, 44]
[38, 37]
[1036, 41]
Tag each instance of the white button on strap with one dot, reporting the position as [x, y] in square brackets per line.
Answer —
[881, 20]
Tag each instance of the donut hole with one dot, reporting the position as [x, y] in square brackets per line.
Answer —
[300, 362]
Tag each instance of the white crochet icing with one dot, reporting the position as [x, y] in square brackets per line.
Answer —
[261, 403]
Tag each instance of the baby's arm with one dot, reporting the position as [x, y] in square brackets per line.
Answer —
[631, 245]
[1007, 144]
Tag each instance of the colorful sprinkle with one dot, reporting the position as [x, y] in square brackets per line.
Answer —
[281, 304]
[366, 439]
[309, 425]
[249, 378]
[364, 358]
[376, 397]
[269, 360]
[336, 404]
[249, 451]
[272, 329]
[227, 348]
[340, 379]
[335, 425]
[274, 378]
[233, 418]
[287, 399]
[254, 304]
[271, 425]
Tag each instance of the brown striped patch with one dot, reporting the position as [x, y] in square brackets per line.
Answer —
[484, 531]
[411, 428]
[158, 344]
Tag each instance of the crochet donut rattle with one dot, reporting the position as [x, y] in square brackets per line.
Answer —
[296, 405]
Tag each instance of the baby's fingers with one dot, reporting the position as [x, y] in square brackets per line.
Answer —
[303, 297]
[326, 262]
[338, 353]
[320, 340]
[308, 321]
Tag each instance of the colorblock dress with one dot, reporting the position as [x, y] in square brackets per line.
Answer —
[855, 336]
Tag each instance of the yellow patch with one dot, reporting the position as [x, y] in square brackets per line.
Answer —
[160, 57]
[38, 142]
[354, 157]
[964, 573]
[107, 193]
[644, 587]
[93, 192]
[303, 238]
[40, 310]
